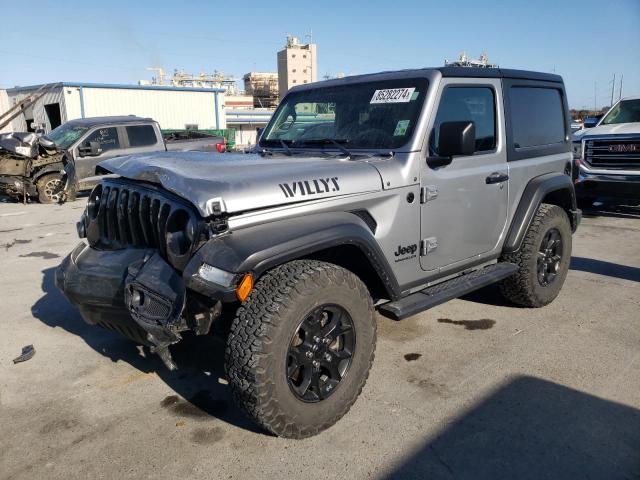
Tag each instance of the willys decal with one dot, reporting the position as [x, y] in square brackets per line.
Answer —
[310, 187]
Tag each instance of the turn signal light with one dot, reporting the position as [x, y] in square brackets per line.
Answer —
[244, 287]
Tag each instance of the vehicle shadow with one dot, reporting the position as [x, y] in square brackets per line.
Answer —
[200, 359]
[489, 295]
[600, 267]
[531, 429]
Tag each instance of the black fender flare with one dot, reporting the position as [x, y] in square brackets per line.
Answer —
[534, 193]
[259, 248]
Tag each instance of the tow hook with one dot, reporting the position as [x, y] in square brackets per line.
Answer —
[155, 296]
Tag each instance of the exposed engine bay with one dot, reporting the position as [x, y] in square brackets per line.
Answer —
[24, 158]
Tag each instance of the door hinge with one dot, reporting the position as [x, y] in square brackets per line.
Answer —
[428, 193]
[428, 245]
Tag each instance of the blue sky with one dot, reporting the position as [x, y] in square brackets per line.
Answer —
[585, 41]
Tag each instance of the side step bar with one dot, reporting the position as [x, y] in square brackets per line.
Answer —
[445, 291]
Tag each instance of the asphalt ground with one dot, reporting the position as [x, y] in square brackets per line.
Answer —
[474, 388]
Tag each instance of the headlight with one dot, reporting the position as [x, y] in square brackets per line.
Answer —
[93, 205]
[576, 148]
[81, 226]
[215, 275]
[181, 231]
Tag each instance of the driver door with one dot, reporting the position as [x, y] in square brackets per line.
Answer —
[111, 142]
[465, 202]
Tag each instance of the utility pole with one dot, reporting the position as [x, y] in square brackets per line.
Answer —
[620, 91]
[613, 86]
[595, 96]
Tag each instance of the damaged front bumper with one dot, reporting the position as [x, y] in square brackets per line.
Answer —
[135, 292]
[17, 187]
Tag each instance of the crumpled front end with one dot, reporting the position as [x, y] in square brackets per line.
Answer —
[132, 276]
[17, 187]
[131, 291]
[93, 281]
[23, 158]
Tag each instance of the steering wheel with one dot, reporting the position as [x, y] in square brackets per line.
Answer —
[314, 128]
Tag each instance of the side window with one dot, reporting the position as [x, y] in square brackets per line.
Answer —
[473, 104]
[141, 135]
[106, 137]
[537, 116]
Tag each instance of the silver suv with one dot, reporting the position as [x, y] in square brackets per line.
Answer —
[394, 192]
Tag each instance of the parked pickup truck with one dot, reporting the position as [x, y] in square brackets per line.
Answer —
[607, 157]
[41, 167]
[394, 191]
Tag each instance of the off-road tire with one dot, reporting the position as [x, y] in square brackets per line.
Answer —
[256, 353]
[523, 288]
[46, 192]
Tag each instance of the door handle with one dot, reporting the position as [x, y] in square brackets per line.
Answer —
[496, 177]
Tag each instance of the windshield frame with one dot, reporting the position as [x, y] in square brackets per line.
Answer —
[422, 83]
[615, 109]
[67, 127]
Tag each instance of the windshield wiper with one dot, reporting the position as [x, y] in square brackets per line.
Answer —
[337, 142]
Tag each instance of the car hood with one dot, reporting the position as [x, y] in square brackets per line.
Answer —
[234, 183]
[613, 129]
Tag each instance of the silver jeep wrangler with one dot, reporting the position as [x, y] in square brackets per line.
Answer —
[394, 192]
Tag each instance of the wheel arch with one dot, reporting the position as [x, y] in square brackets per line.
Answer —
[47, 169]
[552, 188]
[336, 237]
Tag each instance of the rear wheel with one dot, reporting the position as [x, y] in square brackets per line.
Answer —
[50, 188]
[300, 347]
[543, 259]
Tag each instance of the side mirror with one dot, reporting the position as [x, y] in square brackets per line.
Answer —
[96, 150]
[93, 150]
[38, 128]
[457, 138]
[454, 139]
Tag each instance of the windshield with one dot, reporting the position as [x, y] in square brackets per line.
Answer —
[65, 135]
[372, 115]
[626, 111]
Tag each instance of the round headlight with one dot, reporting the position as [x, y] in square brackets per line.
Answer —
[93, 205]
[180, 232]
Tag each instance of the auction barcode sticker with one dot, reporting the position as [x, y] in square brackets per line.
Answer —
[392, 95]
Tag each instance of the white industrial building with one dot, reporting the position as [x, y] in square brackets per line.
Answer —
[246, 124]
[172, 107]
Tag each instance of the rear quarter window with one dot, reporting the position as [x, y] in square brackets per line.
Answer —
[537, 116]
[141, 135]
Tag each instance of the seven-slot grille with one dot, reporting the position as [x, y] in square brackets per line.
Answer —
[122, 214]
[613, 153]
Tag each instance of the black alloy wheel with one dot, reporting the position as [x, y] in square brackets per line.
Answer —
[301, 346]
[320, 353]
[549, 257]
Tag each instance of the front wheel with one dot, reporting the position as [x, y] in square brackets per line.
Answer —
[300, 347]
[543, 259]
[50, 188]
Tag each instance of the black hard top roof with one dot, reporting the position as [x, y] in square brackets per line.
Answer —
[447, 71]
[119, 119]
[497, 73]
